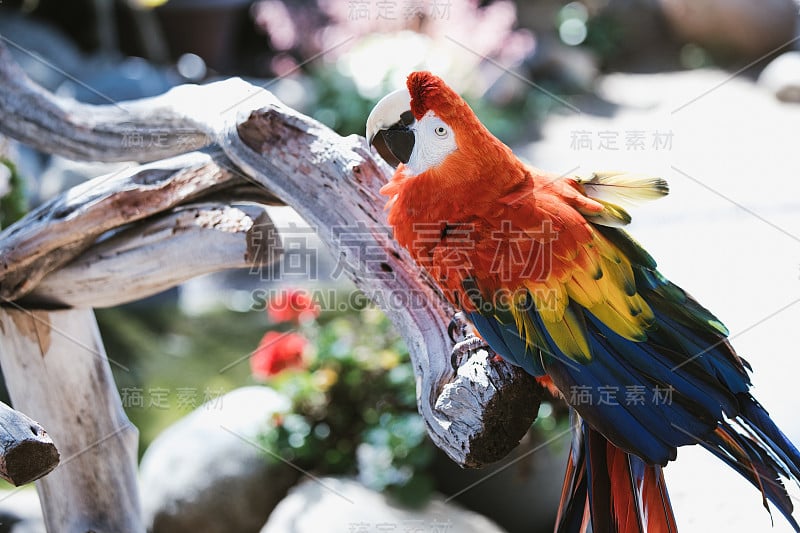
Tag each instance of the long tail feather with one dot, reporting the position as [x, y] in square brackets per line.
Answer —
[611, 489]
[760, 453]
[573, 510]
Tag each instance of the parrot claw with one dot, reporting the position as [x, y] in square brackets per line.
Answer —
[464, 348]
[458, 330]
[466, 342]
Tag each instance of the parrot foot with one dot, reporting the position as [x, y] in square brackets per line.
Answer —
[464, 348]
[466, 342]
[459, 330]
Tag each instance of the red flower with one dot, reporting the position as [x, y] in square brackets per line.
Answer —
[292, 305]
[276, 352]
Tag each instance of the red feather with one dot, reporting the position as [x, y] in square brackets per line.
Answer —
[625, 495]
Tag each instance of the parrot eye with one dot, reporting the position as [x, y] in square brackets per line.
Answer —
[434, 140]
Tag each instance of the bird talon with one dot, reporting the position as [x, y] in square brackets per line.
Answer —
[458, 329]
[464, 348]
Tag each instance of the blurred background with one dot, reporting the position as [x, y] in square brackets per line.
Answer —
[703, 93]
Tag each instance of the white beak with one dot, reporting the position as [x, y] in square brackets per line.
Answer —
[387, 112]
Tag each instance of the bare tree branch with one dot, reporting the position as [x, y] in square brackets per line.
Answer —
[59, 230]
[153, 256]
[144, 130]
[274, 146]
[56, 370]
[26, 450]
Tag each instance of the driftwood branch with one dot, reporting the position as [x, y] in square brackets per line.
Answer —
[150, 257]
[144, 130]
[56, 358]
[59, 230]
[26, 450]
[475, 416]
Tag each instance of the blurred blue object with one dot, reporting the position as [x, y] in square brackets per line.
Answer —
[104, 83]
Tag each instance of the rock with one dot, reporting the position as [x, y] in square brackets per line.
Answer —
[733, 28]
[343, 505]
[104, 82]
[201, 474]
[782, 77]
[20, 512]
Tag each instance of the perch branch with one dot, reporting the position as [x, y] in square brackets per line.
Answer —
[467, 414]
[26, 450]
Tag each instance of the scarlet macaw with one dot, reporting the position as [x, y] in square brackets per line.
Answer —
[540, 266]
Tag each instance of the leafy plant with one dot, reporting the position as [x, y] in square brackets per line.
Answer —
[13, 205]
[353, 405]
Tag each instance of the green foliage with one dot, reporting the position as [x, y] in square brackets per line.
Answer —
[14, 204]
[354, 409]
[605, 36]
[338, 104]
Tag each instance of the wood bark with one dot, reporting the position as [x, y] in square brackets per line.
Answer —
[57, 371]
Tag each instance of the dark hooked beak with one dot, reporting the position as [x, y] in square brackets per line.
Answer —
[389, 128]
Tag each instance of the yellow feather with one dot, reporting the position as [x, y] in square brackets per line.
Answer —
[619, 276]
[622, 324]
[612, 215]
[584, 289]
[624, 187]
[550, 298]
[570, 336]
[524, 323]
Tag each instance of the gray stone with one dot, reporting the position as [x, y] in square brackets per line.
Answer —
[782, 77]
[205, 473]
[343, 505]
[20, 511]
[528, 478]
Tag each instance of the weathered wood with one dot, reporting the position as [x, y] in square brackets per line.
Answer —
[158, 254]
[57, 371]
[145, 130]
[26, 450]
[57, 231]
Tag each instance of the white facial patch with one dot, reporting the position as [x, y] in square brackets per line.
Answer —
[434, 140]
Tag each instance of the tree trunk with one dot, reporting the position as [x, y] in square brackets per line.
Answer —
[57, 371]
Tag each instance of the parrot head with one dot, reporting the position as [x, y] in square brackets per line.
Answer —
[428, 126]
